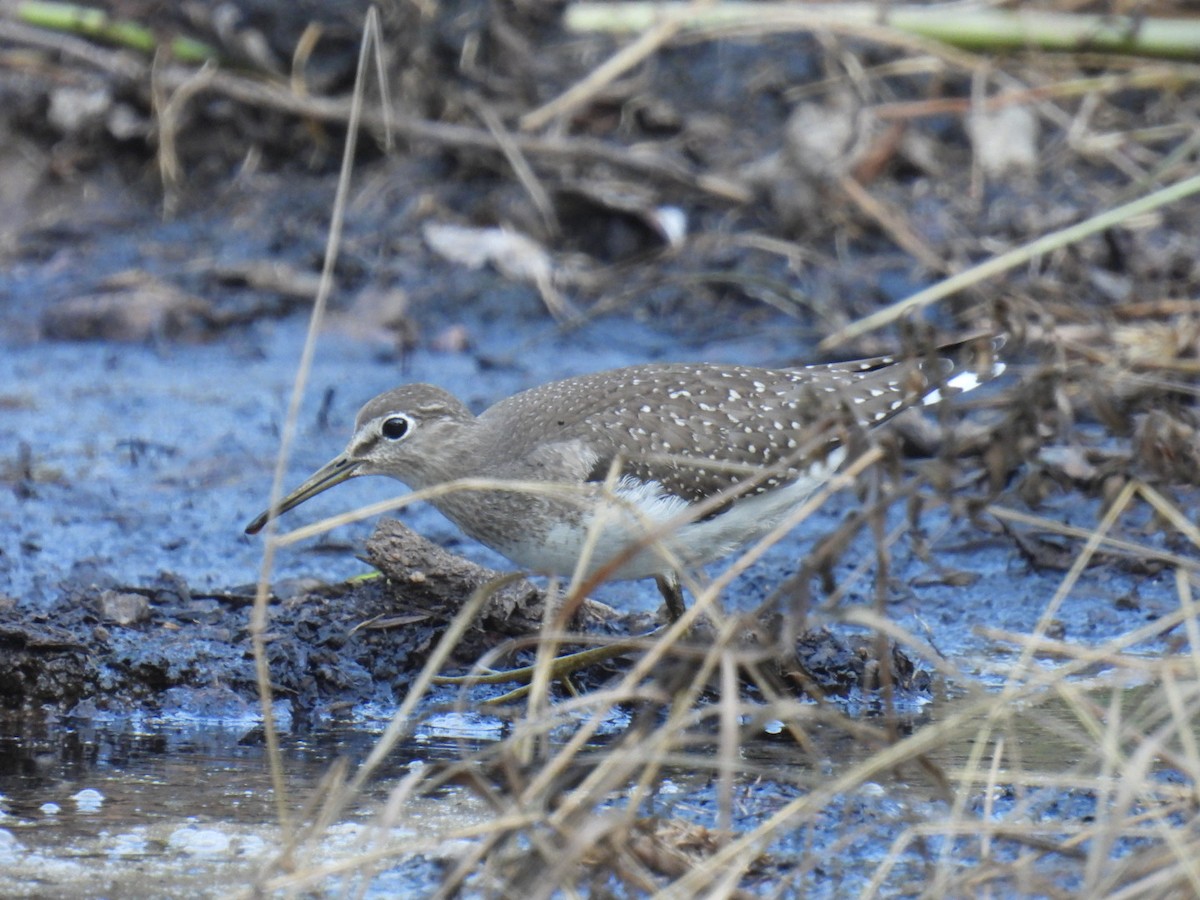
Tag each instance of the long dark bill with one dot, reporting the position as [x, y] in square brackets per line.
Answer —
[332, 473]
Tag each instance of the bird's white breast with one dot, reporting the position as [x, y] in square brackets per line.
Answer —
[635, 510]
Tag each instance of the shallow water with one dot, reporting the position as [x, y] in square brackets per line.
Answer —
[185, 808]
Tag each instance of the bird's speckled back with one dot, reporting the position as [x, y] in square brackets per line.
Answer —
[698, 428]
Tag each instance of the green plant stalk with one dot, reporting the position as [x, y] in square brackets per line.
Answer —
[96, 23]
[978, 29]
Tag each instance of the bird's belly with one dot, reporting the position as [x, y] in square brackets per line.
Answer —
[637, 533]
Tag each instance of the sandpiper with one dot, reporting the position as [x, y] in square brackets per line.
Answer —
[648, 470]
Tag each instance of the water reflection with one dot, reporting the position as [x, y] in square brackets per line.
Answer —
[170, 808]
[187, 808]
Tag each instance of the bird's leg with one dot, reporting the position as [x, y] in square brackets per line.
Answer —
[672, 592]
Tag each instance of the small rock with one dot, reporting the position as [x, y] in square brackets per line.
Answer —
[124, 608]
[199, 841]
[88, 800]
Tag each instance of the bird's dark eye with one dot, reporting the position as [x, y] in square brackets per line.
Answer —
[394, 428]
